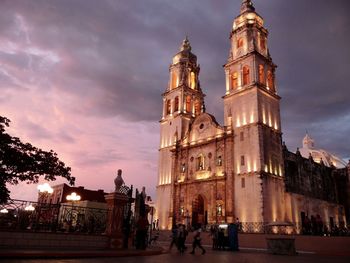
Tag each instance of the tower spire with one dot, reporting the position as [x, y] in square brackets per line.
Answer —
[247, 6]
[185, 44]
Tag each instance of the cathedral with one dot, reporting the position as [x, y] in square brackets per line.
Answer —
[211, 173]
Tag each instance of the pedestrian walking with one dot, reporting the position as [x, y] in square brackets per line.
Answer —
[174, 232]
[181, 238]
[197, 241]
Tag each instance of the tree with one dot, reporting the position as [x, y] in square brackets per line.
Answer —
[22, 162]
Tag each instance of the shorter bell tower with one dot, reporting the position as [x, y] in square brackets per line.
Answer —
[183, 100]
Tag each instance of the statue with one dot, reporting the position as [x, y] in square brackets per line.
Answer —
[118, 181]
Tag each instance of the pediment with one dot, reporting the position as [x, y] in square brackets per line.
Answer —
[204, 127]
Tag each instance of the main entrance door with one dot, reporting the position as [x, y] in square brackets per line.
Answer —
[199, 213]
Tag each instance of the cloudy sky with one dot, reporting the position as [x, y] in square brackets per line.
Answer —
[85, 77]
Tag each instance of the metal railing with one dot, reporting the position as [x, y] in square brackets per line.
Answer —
[42, 217]
[316, 229]
[321, 228]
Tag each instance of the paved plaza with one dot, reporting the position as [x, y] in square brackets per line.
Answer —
[210, 257]
[252, 249]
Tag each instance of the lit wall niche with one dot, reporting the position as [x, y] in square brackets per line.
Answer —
[251, 119]
[238, 122]
[193, 80]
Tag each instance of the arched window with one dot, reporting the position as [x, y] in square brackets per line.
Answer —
[240, 43]
[234, 80]
[193, 80]
[168, 107]
[261, 74]
[176, 108]
[188, 103]
[200, 162]
[242, 160]
[262, 42]
[270, 80]
[246, 75]
[173, 80]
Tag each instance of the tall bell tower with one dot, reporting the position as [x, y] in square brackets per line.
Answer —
[183, 100]
[252, 109]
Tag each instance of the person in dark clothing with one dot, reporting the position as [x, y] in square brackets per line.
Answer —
[174, 232]
[233, 236]
[214, 232]
[221, 239]
[197, 241]
[181, 238]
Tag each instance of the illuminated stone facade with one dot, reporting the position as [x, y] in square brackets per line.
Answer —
[210, 173]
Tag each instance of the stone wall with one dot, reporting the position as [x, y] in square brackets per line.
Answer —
[52, 240]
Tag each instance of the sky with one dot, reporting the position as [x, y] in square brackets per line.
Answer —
[85, 77]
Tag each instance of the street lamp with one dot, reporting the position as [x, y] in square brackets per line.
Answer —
[72, 197]
[29, 208]
[4, 211]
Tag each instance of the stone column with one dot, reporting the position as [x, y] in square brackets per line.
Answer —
[164, 108]
[228, 82]
[116, 203]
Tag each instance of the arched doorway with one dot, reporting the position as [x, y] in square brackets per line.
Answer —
[199, 213]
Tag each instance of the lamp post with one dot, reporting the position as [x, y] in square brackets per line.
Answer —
[29, 208]
[44, 191]
[29, 214]
[73, 197]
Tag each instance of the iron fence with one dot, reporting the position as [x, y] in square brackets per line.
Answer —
[321, 229]
[33, 216]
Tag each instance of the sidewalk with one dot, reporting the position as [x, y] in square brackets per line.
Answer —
[40, 253]
[251, 243]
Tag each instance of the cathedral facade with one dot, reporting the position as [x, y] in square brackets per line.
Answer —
[211, 173]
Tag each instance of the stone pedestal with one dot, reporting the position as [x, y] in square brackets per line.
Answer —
[116, 203]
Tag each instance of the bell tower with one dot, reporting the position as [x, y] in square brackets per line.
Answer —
[252, 109]
[183, 100]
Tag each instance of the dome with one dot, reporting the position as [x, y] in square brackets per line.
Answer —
[328, 158]
[185, 53]
[308, 142]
